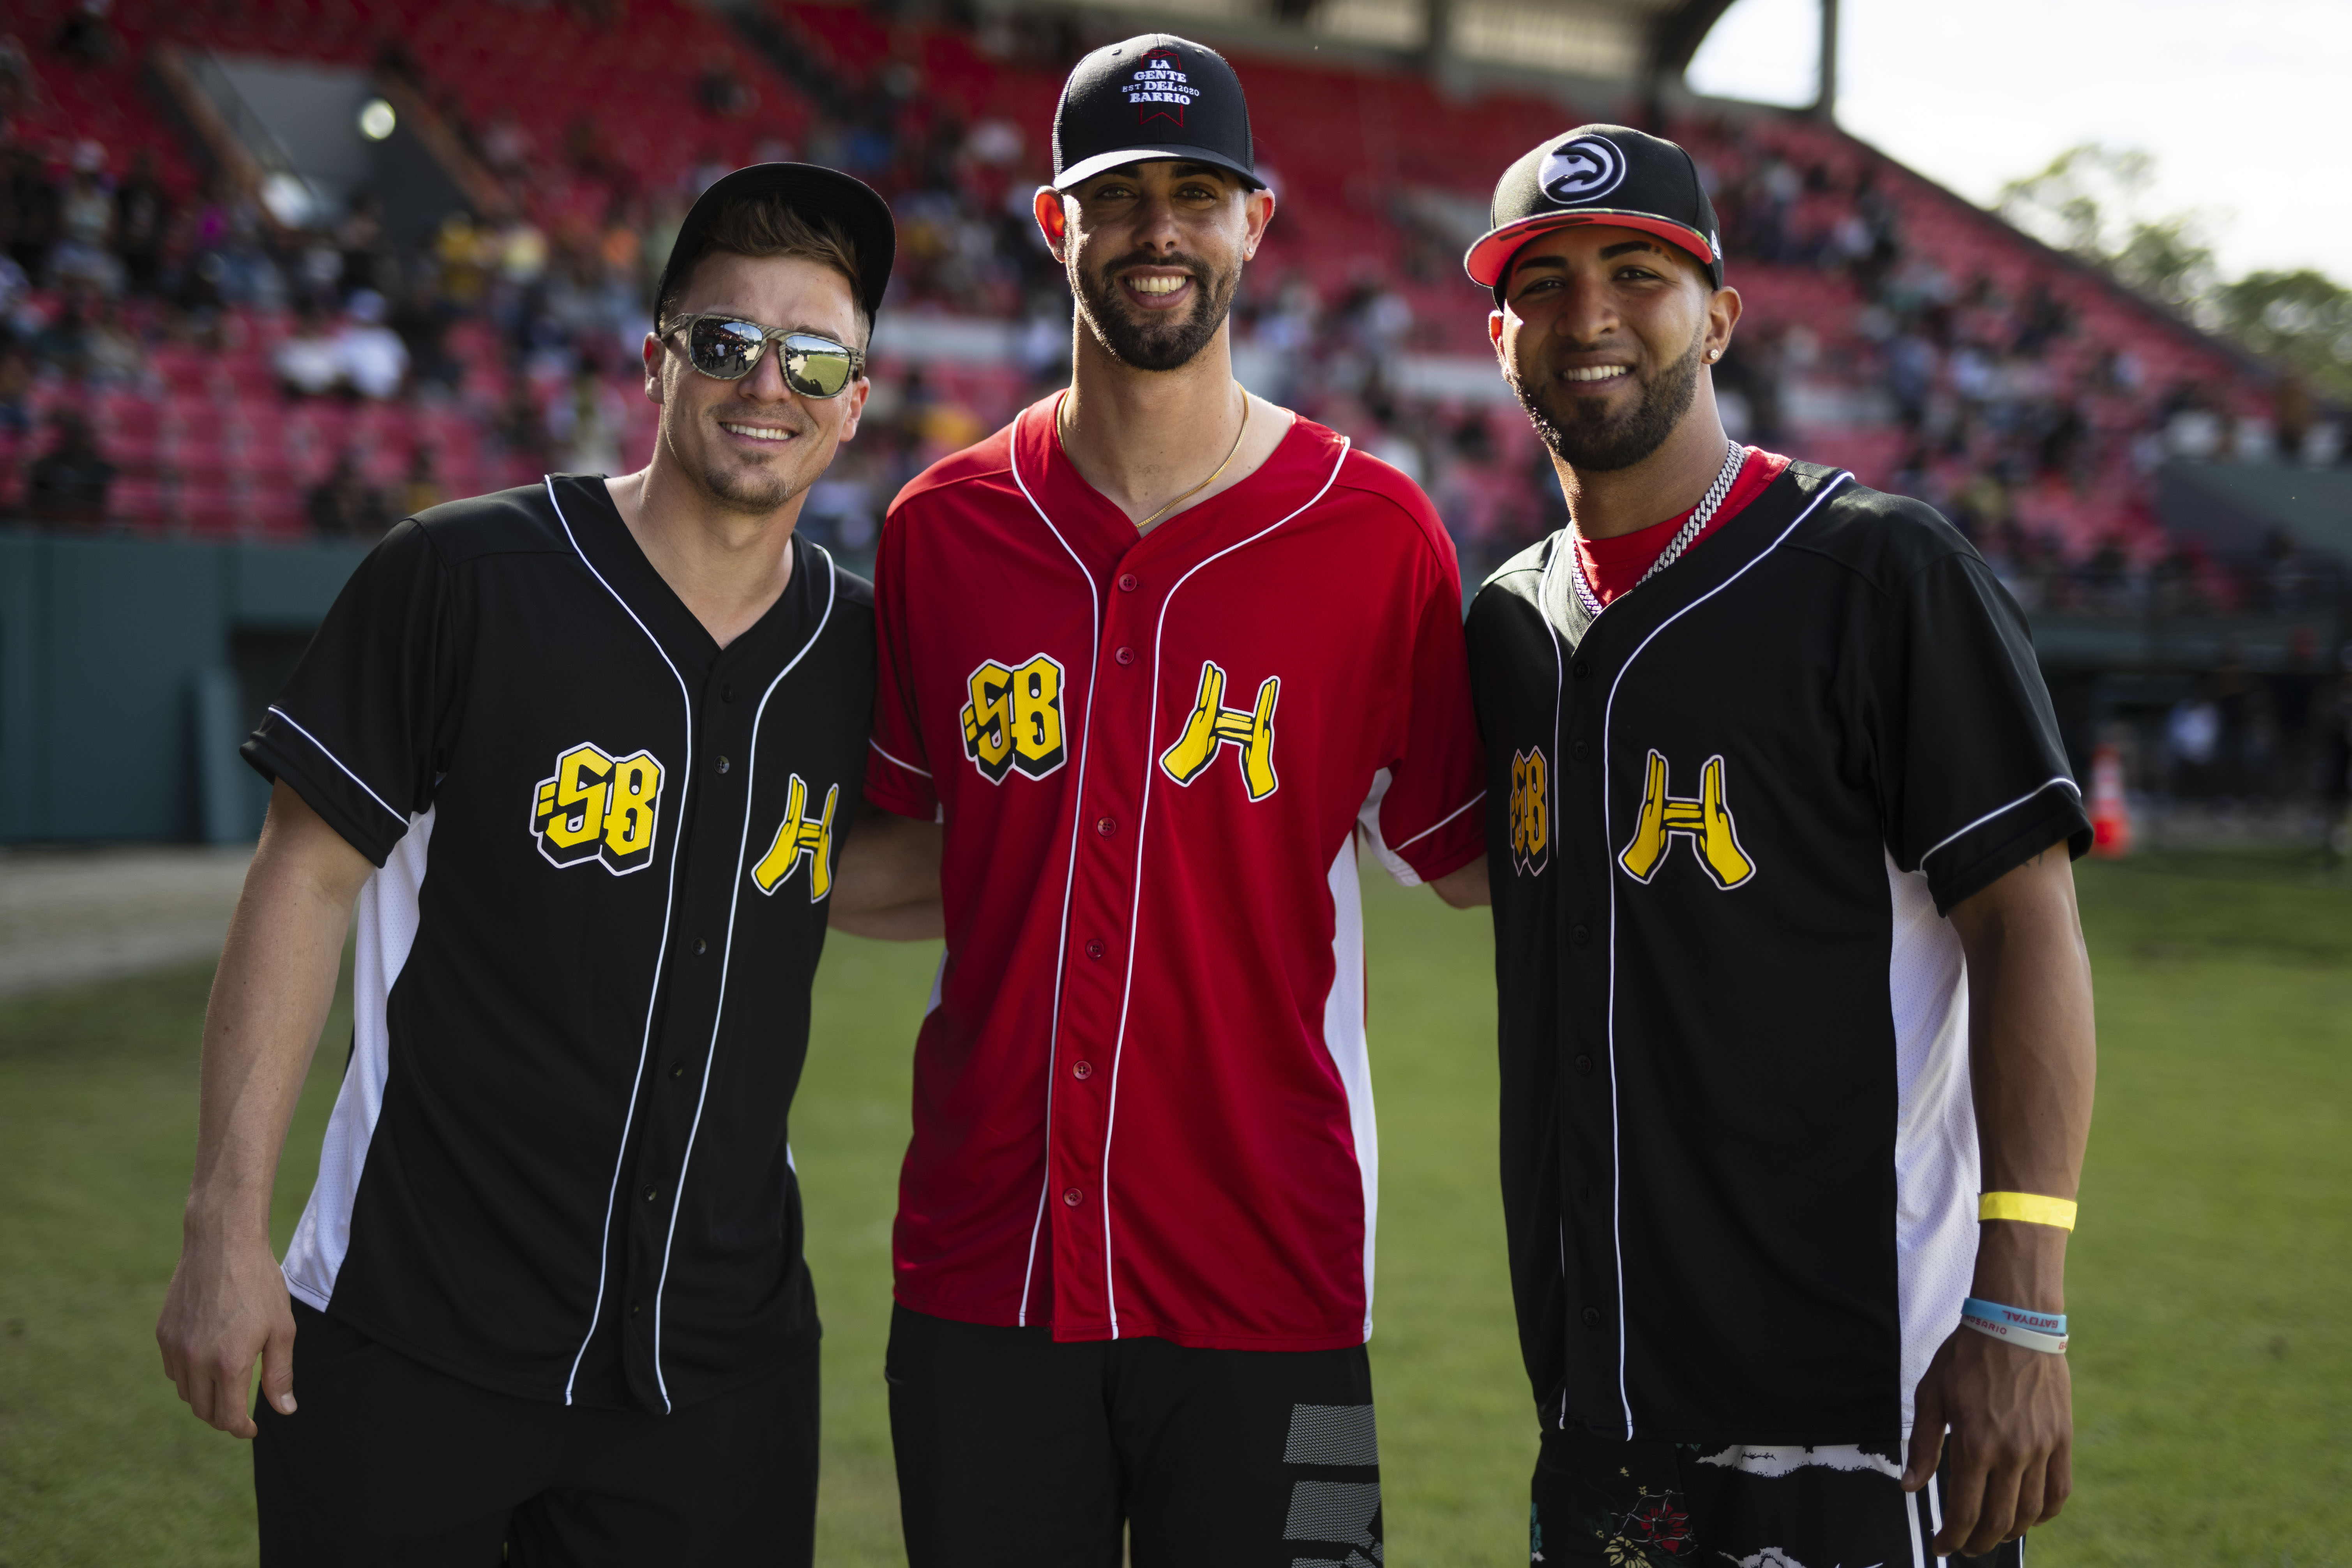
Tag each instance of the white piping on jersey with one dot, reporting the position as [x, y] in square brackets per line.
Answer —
[1143, 822]
[725, 958]
[1399, 849]
[1919, 1547]
[398, 816]
[1609, 833]
[870, 740]
[1070, 876]
[1552, 807]
[1996, 811]
[661, 953]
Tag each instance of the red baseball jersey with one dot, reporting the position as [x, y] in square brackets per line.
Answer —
[1143, 1101]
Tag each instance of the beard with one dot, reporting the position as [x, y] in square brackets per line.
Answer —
[1582, 436]
[753, 489]
[1151, 344]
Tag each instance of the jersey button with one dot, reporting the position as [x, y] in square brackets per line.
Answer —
[677, 1069]
[1580, 935]
[1105, 826]
[1583, 1065]
[1576, 751]
[1095, 948]
[726, 691]
[651, 1193]
[1592, 1317]
[1126, 582]
[1071, 1196]
[1581, 669]
[701, 947]
[1125, 655]
[722, 761]
[1082, 1069]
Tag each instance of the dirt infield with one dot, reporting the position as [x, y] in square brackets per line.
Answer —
[70, 917]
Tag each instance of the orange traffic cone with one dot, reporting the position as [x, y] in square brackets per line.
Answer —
[2110, 817]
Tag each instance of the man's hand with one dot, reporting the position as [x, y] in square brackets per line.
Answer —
[1465, 889]
[2012, 1414]
[227, 1304]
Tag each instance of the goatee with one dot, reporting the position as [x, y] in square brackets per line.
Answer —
[1584, 436]
[1149, 344]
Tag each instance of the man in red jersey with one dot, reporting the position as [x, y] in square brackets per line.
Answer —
[1796, 1036]
[1157, 656]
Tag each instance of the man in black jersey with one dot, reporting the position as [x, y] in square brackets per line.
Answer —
[588, 757]
[1795, 1017]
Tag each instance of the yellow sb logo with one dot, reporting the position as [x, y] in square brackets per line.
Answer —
[1530, 811]
[599, 807]
[1014, 719]
[1213, 726]
[1706, 822]
[799, 836]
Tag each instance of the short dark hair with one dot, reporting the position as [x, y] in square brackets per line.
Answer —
[764, 227]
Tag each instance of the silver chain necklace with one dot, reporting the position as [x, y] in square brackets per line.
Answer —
[1684, 537]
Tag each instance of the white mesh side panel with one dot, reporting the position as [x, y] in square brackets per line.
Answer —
[1343, 1037]
[1369, 819]
[386, 919]
[1935, 1164]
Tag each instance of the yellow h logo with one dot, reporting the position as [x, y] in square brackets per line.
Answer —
[1213, 726]
[1705, 821]
[799, 836]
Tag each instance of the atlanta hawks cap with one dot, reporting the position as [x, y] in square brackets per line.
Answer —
[1598, 174]
[809, 190]
[1153, 97]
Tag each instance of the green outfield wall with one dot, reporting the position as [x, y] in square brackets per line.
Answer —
[130, 669]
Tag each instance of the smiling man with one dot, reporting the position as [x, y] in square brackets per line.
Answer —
[1779, 822]
[585, 753]
[1158, 655]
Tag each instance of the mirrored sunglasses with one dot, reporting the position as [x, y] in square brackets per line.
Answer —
[727, 348]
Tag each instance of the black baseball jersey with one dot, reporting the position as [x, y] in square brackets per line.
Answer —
[559, 1163]
[1726, 818]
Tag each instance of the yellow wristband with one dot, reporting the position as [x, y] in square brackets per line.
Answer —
[2031, 1207]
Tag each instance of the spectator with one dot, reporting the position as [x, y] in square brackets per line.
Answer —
[16, 386]
[142, 225]
[422, 487]
[307, 360]
[68, 483]
[374, 360]
[86, 37]
[86, 227]
[343, 505]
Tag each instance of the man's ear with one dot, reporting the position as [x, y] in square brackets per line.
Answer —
[1495, 336]
[653, 355]
[1051, 221]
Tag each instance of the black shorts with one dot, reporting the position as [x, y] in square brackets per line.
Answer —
[1017, 1452]
[1603, 1502]
[387, 1461]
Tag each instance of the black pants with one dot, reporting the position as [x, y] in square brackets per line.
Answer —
[1017, 1452]
[389, 1462]
[1604, 1502]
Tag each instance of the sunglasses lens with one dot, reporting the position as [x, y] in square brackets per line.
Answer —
[727, 350]
[817, 368]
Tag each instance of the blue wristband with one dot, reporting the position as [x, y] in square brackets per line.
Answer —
[2044, 1331]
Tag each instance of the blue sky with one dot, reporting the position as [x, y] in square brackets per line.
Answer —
[2245, 104]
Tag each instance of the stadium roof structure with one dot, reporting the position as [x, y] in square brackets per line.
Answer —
[1640, 45]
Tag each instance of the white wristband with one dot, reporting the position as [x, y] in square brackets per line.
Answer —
[2010, 1333]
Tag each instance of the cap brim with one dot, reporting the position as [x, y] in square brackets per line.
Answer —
[1087, 168]
[1489, 259]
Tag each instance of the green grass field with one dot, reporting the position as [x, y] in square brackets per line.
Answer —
[2211, 1275]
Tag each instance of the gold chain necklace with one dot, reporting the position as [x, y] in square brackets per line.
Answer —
[1062, 434]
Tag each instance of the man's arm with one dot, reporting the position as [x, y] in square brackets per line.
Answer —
[1465, 889]
[2032, 1055]
[228, 1302]
[887, 885]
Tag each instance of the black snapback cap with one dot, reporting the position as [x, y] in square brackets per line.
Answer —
[813, 191]
[1152, 97]
[1598, 174]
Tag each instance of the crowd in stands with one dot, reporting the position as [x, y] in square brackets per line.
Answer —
[201, 366]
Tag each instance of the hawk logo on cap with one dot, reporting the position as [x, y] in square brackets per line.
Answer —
[1581, 170]
[1158, 89]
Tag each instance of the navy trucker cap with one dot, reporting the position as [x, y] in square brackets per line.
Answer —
[1151, 97]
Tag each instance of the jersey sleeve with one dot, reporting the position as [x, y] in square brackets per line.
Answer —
[898, 770]
[1974, 772]
[1425, 822]
[358, 731]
